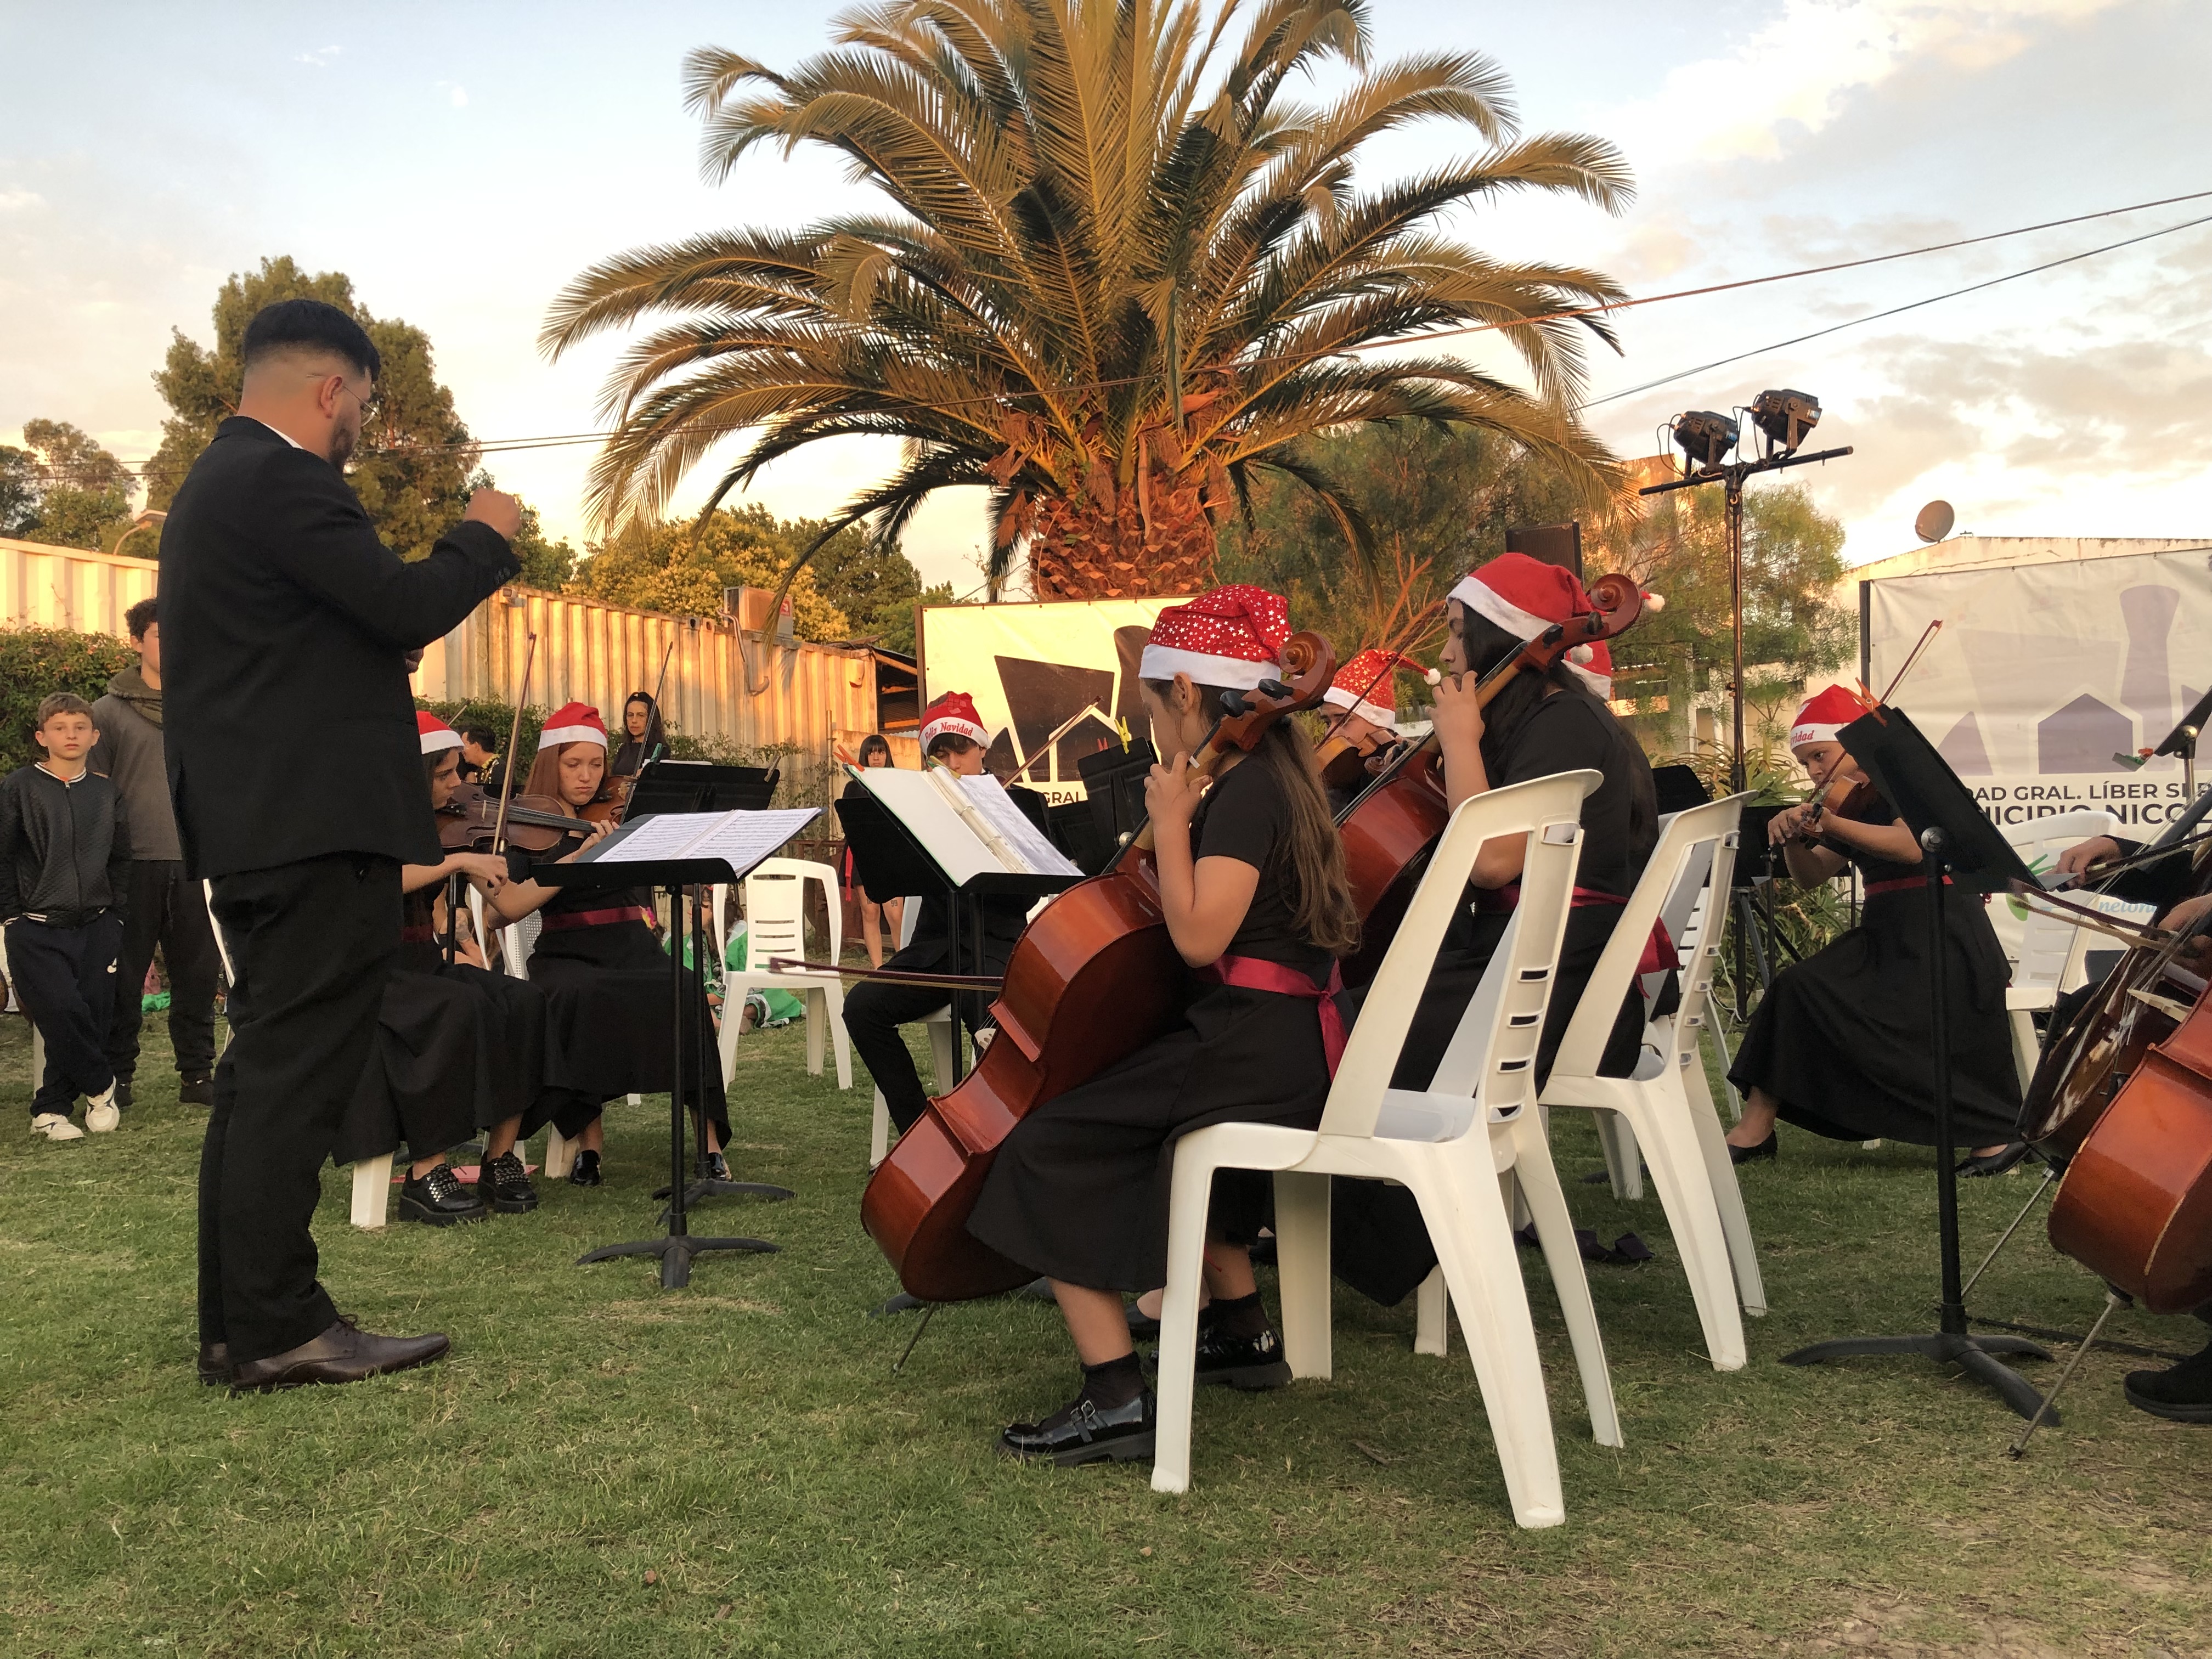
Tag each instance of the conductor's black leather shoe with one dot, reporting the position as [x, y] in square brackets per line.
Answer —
[2182, 1392]
[1769, 1149]
[344, 1353]
[504, 1183]
[2003, 1161]
[1082, 1432]
[584, 1171]
[214, 1364]
[439, 1200]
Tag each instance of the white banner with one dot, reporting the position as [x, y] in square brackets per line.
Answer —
[1053, 681]
[2048, 680]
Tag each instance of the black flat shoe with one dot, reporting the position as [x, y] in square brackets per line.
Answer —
[1142, 1325]
[1768, 1150]
[2003, 1161]
[1079, 1432]
[439, 1200]
[716, 1168]
[584, 1171]
[2180, 1394]
[196, 1091]
[1250, 1362]
[504, 1184]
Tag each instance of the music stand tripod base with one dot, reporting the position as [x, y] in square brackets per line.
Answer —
[1971, 1353]
[709, 1187]
[675, 1252]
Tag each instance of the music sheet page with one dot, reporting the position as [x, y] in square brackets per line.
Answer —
[1013, 826]
[741, 838]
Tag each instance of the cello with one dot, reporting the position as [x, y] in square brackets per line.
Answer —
[1093, 979]
[1390, 830]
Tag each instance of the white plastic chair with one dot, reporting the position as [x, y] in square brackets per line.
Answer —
[775, 925]
[937, 1024]
[2039, 842]
[1682, 1140]
[1449, 1144]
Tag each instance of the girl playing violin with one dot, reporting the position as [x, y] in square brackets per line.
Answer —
[1841, 1044]
[1540, 724]
[603, 972]
[1360, 722]
[1253, 888]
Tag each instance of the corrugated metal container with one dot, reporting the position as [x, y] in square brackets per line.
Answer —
[43, 587]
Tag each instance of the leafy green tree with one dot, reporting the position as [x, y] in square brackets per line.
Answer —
[681, 566]
[876, 588]
[415, 458]
[1122, 273]
[66, 489]
[36, 662]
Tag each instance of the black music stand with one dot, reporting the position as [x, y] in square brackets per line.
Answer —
[677, 1247]
[674, 786]
[1964, 848]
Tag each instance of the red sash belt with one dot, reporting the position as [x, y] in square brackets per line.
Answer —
[1252, 974]
[562, 920]
[424, 934]
[1659, 952]
[1901, 885]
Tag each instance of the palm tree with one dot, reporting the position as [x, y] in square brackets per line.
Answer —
[1123, 268]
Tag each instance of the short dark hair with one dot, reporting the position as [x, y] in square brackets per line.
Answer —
[482, 737]
[876, 744]
[61, 703]
[292, 325]
[140, 617]
[952, 743]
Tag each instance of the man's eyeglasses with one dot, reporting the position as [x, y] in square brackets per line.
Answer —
[369, 405]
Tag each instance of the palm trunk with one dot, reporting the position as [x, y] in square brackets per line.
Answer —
[1080, 548]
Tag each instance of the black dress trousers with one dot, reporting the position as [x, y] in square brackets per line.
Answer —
[312, 945]
[166, 908]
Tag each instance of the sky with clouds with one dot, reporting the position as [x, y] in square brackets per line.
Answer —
[461, 161]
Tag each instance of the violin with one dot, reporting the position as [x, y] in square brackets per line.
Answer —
[1100, 945]
[536, 823]
[1847, 794]
[612, 802]
[1346, 761]
[1389, 830]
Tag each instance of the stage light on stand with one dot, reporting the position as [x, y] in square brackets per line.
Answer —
[1705, 438]
[1785, 418]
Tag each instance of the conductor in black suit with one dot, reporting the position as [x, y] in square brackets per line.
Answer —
[277, 601]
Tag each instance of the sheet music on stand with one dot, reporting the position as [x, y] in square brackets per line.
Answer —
[741, 837]
[970, 827]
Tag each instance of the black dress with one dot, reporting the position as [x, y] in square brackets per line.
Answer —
[1379, 1245]
[1843, 1040]
[431, 1076]
[1079, 1189]
[606, 985]
[516, 1027]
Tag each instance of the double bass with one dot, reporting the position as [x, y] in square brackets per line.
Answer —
[1093, 980]
[2123, 1097]
[1390, 830]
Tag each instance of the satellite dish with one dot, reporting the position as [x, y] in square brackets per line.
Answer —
[1934, 522]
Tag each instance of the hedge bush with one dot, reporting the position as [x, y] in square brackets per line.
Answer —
[36, 662]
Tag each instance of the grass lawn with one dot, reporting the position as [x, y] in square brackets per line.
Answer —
[606, 1469]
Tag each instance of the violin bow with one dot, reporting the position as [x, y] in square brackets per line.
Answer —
[513, 741]
[888, 976]
[659, 681]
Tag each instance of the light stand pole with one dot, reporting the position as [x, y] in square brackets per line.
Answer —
[1731, 475]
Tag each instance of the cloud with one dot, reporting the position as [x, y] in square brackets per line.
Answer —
[455, 94]
[320, 58]
[11, 200]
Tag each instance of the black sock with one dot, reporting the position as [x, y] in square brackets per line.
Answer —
[1114, 1384]
[1242, 1317]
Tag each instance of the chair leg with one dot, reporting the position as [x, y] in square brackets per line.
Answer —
[1303, 1268]
[560, 1154]
[733, 1026]
[1190, 1196]
[840, 1042]
[818, 1016]
[943, 1033]
[1728, 1195]
[2026, 1050]
[1719, 1032]
[372, 1191]
[1623, 1159]
[1474, 1247]
[879, 1132]
[1678, 1170]
[1432, 1306]
[1555, 1231]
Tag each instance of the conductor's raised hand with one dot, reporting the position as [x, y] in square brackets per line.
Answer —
[495, 507]
[1458, 716]
[1173, 790]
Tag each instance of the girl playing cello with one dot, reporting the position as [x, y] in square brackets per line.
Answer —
[602, 971]
[1252, 883]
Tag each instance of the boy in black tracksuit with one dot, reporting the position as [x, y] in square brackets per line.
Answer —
[63, 847]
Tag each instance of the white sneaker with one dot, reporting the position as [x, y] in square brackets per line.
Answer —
[101, 1114]
[54, 1127]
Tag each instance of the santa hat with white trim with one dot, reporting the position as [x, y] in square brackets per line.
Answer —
[1366, 685]
[1825, 715]
[1526, 597]
[954, 713]
[435, 734]
[574, 722]
[1231, 637]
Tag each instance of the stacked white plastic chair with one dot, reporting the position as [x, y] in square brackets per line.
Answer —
[1675, 1127]
[938, 1026]
[1448, 1145]
[775, 925]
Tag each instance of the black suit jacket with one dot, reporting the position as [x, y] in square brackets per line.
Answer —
[285, 626]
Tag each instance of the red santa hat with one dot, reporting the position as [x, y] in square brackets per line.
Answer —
[435, 734]
[1364, 686]
[954, 713]
[1231, 637]
[574, 722]
[1526, 597]
[1825, 714]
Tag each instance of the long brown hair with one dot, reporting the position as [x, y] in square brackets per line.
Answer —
[1312, 856]
[544, 777]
